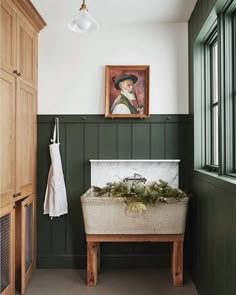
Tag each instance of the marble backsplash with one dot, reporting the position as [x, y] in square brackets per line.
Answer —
[104, 171]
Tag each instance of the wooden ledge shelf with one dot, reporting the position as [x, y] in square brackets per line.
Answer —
[93, 253]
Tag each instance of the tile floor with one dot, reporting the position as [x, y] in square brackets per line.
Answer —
[110, 282]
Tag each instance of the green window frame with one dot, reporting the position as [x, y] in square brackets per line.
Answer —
[215, 67]
[227, 21]
[234, 91]
[211, 101]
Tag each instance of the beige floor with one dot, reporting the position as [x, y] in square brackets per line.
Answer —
[110, 282]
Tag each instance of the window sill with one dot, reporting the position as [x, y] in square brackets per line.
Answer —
[224, 182]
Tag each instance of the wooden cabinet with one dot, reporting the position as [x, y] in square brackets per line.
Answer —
[18, 106]
[7, 138]
[7, 246]
[26, 107]
[25, 242]
[20, 23]
[26, 52]
[18, 44]
[8, 37]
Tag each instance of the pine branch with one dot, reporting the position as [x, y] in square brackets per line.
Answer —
[138, 195]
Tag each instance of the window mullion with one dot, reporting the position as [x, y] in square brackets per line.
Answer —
[234, 90]
[227, 113]
[207, 106]
[221, 90]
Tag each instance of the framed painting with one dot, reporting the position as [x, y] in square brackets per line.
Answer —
[127, 91]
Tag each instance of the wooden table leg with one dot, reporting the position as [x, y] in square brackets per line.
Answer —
[93, 253]
[91, 263]
[172, 257]
[98, 257]
[177, 264]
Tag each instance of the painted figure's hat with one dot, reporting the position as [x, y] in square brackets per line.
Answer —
[123, 78]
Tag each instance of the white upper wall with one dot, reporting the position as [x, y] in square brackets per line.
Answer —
[72, 67]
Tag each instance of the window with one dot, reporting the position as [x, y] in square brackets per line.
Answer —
[234, 93]
[228, 20]
[211, 102]
[216, 56]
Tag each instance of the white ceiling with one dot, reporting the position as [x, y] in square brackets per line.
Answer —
[118, 11]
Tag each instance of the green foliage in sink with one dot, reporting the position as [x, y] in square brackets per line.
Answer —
[138, 195]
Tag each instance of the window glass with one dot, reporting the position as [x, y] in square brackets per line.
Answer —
[234, 93]
[214, 103]
[211, 102]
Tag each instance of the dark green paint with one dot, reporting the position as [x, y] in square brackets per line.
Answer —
[124, 141]
[172, 132]
[107, 141]
[90, 149]
[140, 141]
[75, 183]
[214, 240]
[157, 141]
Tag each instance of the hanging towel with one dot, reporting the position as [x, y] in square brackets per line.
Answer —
[55, 203]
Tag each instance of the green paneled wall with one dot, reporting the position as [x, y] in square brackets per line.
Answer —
[214, 239]
[61, 241]
[214, 202]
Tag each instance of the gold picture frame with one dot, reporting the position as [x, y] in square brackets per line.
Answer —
[127, 91]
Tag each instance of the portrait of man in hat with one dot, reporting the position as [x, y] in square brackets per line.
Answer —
[127, 91]
[126, 102]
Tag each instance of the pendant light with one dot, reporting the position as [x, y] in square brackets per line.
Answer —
[83, 22]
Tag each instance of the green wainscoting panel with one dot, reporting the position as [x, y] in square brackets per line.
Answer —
[141, 141]
[173, 141]
[91, 145]
[75, 184]
[157, 137]
[124, 141]
[107, 141]
[214, 241]
[61, 241]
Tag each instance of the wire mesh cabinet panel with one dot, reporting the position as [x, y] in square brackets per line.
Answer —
[27, 241]
[7, 250]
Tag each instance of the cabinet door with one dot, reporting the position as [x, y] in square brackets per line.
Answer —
[28, 241]
[7, 37]
[26, 105]
[26, 51]
[7, 252]
[7, 138]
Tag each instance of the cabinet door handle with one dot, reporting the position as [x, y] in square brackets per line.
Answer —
[18, 74]
[15, 71]
[17, 195]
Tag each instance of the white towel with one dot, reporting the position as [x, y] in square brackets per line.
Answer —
[55, 203]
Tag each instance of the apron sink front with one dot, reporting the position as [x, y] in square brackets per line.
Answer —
[107, 215]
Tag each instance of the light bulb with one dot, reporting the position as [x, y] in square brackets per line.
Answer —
[83, 22]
